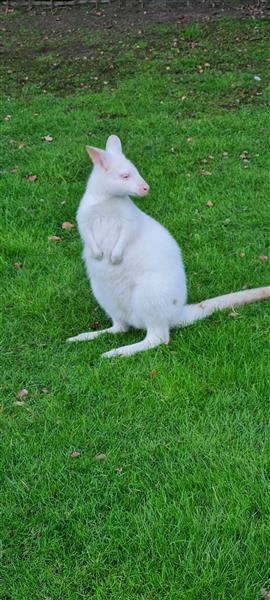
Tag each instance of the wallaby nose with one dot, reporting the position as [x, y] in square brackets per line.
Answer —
[143, 188]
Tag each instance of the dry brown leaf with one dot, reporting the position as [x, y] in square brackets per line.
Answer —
[67, 225]
[75, 454]
[22, 145]
[263, 258]
[22, 393]
[95, 325]
[209, 203]
[31, 177]
[54, 238]
[100, 456]
[242, 254]
[48, 138]
[18, 265]
[153, 373]
[14, 170]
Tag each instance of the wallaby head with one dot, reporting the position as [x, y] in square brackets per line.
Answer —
[114, 174]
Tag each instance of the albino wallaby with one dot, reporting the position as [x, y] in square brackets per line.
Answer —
[133, 263]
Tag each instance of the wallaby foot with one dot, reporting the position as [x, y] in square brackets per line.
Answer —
[152, 339]
[91, 335]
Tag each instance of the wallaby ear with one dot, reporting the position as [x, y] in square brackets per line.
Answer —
[98, 157]
[113, 144]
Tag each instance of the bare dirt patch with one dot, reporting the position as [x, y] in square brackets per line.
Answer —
[80, 47]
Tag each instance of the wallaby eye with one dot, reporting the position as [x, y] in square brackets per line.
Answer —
[125, 176]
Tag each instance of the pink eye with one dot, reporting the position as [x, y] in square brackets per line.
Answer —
[125, 176]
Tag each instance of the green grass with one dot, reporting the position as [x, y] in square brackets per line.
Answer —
[179, 507]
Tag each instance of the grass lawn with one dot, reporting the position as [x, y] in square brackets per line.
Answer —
[178, 506]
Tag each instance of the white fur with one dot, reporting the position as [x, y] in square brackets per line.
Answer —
[133, 263]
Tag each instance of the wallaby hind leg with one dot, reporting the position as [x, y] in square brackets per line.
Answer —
[91, 335]
[154, 337]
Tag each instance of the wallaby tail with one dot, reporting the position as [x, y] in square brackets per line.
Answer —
[196, 312]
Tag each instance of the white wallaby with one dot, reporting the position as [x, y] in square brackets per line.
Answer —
[133, 263]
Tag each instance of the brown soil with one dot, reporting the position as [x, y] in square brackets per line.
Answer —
[112, 16]
[52, 49]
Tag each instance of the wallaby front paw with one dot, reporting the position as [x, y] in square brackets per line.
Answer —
[116, 258]
[98, 255]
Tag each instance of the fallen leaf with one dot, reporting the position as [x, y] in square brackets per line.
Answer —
[31, 177]
[226, 222]
[22, 145]
[119, 471]
[210, 204]
[244, 154]
[100, 456]
[45, 390]
[204, 172]
[75, 454]
[20, 403]
[234, 314]
[67, 225]
[22, 393]
[18, 265]
[48, 138]
[189, 138]
[263, 258]
[54, 238]
[95, 325]
[265, 594]
[7, 118]
[153, 373]
[242, 254]
[14, 170]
